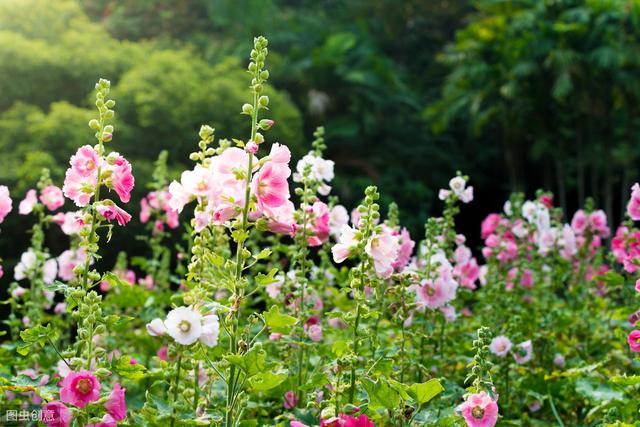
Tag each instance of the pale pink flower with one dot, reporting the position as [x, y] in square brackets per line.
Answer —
[435, 294]
[383, 247]
[598, 222]
[86, 161]
[500, 346]
[523, 352]
[579, 222]
[467, 195]
[78, 187]
[558, 360]
[480, 410]
[315, 332]
[107, 421]
[280, 220]
[156, 328]
[80, 388]
[67, 261]
[405, 250]
[55, 414]
[6, 204]
[111, 212]
[199, 182]
[145, 210]
[296, 423]
[179, 196]
[280, 153]
[347, 241]
[60, 308]
[71, 224]
[52, 197]
[26, 205]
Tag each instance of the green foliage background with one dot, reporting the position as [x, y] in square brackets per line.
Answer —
[517, 94]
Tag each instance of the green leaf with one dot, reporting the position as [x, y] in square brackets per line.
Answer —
[424, 392]
[264, 254]
[340, 348]
[126, 369]
[598, 392]
[267, 380]
[267, 279]
[626, 380]
[381, 394]
[252, 362]
[279, 322]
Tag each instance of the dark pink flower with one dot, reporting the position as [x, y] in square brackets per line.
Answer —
[116, 404]
[111, 212]
[80, 388]
[55, 414]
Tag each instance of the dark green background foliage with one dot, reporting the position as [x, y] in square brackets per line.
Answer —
[517, 94]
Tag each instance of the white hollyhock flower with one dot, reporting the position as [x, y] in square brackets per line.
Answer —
[184, 325]
[49, 271]
[156, 328]
[338, 216]
[457, 185]
[210, 330]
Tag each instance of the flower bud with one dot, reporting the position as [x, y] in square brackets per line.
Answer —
[263, 101]
[247, 109]
[93, 124]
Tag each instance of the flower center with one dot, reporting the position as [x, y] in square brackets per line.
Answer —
[477, 412]
[430, 290]
[90, 165]
[184, 326]
[202, 186]
[83, 386]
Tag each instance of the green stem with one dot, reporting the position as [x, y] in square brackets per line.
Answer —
[352, 390]
[176, 388]
[196, 387]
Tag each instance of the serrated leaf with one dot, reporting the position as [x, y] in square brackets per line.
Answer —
[277, 321]
[126, 369]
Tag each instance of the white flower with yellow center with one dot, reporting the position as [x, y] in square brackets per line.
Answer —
[184, 324]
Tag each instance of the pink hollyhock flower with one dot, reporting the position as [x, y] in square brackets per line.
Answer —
[60, 308]
[296, 423]
[67, 261]
[52, 197]
[280, 220]
[107, 421]
[405, 250]
[6, 204]
[523, 352]
[634, 341]
[467, 195]
[55, 414]
[163, 353]
[598, 222]
[347, 241]
[383, 247]
[122, 180]
[480, 410]
[315, 333]
[547, 200]
[579, 222]
[179, 196]
[145, 210]
[320, 224]
[200, 181]
[270, 185]
[343, 420]
[156, 328]
[435, 294]
[116, 405]
[489, 225]
[111, 212]
[86, 161]
[80, 388]
[500, 346]
[290, 400]
[633, 207]
[280, 153]
[26, 205]
[78, 187]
